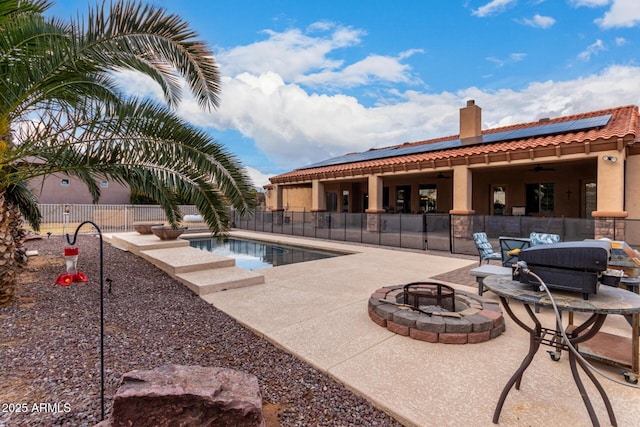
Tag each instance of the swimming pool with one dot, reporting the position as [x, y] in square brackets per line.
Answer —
[255, 255]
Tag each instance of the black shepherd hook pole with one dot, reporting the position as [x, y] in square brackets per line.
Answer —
[71, 243]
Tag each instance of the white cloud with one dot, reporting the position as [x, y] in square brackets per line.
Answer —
[305, 59]
[609, 88]
[259, 179]
[139, 85]
[513, 57]
[623, 13]
[593, 49]
[621, 41]
[492, 8]
[539, 21]
[291, 53]
[291, 125]
[589, 3]
[320, 26]
[372, 69]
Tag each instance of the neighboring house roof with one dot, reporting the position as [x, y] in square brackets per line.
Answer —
[620, 130]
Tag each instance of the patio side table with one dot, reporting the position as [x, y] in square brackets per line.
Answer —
[487, 270]
[607, 301]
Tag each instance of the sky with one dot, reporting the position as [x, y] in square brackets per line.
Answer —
[303, 81]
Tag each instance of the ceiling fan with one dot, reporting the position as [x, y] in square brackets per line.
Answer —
[540, 168]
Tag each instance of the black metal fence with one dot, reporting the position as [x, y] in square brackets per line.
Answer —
[440, 232]
[397, 230]
[426, 231]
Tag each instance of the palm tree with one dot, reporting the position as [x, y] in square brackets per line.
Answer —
[61, 110]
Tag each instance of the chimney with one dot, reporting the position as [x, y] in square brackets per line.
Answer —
[470, 120]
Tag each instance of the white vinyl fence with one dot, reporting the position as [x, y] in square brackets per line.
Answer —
[63, 218]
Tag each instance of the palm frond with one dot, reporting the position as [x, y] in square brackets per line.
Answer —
[21, 195]
[68, 115]
[11, 8]
[132, 33]
[146, 146]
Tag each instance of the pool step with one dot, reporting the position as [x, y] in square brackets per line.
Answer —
[185, 260]
[201, 271]
[137, 243]
[220, 279]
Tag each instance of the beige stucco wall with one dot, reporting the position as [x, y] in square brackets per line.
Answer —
[632, 198]
[611, 183]
[50, 190]
[632, 187]
[295, 198]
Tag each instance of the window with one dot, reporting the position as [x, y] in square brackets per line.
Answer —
[540, 198]
[64, 182]
[590, 198]
[403, 199]
[385, 198]
[428, 198]
[104, 184]
[499, 200]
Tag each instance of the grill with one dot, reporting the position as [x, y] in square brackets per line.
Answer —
[569, 266]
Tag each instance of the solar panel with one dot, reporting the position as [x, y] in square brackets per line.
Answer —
[510, 135]
[548, 129]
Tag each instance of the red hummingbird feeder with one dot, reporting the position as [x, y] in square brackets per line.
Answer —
[72, 274]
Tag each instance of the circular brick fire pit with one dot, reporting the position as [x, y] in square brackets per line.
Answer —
[434, 312]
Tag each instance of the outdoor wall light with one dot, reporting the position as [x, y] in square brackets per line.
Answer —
[612, 159]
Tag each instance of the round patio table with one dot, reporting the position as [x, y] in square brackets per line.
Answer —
[608, 300]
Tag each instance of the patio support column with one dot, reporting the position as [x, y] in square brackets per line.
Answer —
[462, 186]
[610, 188]
[318, 198]
[277, 196]
[632, 201]
[461, 214]
[318, 203]
[375, 203]
[278, 211]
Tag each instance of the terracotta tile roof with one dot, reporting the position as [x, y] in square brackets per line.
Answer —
[624, 122]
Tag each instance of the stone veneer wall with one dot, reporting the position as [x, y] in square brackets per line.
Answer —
[482, 321]
[462, 226]
[609, 228]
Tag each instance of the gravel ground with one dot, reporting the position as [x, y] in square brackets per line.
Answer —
[49, 345]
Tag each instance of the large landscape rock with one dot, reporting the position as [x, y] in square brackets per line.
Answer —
[175, 395]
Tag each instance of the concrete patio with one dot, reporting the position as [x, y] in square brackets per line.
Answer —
[318, 311]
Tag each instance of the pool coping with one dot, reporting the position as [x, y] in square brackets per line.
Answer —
[328, 246]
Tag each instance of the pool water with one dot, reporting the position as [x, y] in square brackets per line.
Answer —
[255, 255]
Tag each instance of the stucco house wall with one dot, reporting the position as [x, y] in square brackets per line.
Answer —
[60, 188]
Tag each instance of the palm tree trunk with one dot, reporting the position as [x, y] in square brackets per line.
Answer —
[7, 248]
